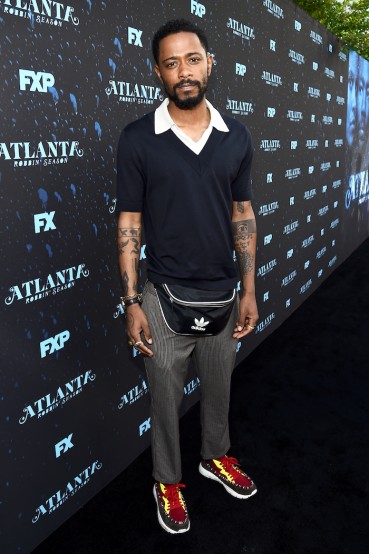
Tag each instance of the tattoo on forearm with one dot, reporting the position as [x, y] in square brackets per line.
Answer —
[129, 232]
[241, 206]
[129, 244]
[243, 232]
[133, 237]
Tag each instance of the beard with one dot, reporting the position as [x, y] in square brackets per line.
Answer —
[188, 102]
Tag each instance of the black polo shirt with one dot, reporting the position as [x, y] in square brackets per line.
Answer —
[186, 200]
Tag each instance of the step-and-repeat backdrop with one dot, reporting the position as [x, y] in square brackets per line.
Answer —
[74, 398]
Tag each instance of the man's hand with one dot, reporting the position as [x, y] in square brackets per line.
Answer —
[136, 322]
[247, 317]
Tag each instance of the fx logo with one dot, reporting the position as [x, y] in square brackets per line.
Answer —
[52, 344]
[240, 69]
[266, 296]
[292, 200]
[64, 445]
[197, 8]
[272, 45]
[293, 144]
[311, 169]
[315, 66]
[297, 25]
[269, 177]
[268, 239]
[36, 81]
[270, 112]
[44, 220]
[134, 36]
[289, 253]
[295, 87]
[145, 426]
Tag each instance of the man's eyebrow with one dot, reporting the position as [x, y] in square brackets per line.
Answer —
[186, 55]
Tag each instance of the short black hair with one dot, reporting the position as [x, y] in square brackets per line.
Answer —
[177, 26]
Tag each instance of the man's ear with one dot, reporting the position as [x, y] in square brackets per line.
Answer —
[209, 62]
[157, 71]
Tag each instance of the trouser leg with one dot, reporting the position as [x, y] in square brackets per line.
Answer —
[214, 360]
[166, 374]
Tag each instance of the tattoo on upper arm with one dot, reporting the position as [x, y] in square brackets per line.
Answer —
[243, 232]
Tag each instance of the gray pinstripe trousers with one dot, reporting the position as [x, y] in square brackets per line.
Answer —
[214, 359]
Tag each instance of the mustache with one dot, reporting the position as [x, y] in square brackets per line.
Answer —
[185, 82]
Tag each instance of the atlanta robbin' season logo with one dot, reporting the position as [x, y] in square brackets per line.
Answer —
[271, 79]
[293, 115]
[296, 57]
[39, 288]
[315, 37]
[268, 209]
[240, 29]
[270, 145]
[266, 268]
[265, 323]
[291, 227]
[289, 278]
[71, 488]
[48, 12]
[53, 400]
[23, 154]
[134, 93]
[191, 386]
[313, 92]
[274, 9]
[239, 107]
[133, 395]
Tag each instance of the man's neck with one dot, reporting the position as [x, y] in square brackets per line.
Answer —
[197, 117]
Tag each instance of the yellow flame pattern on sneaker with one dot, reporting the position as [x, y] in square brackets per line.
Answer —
[166, 501]
[223, 471]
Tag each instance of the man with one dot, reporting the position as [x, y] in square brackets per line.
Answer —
[185, 171]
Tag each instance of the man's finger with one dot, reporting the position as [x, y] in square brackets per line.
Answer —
[147, 333]
[139, 345]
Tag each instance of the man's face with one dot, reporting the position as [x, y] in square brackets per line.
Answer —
[183, 68]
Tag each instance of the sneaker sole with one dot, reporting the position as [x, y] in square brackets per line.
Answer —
[161, 521]
[210, 475]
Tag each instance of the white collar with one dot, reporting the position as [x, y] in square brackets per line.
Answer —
[163, 121]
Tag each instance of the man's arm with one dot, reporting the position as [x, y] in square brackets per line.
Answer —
[244, 237]
[129, 247]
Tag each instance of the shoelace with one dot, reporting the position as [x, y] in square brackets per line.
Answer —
[228, 463]
[173, 495]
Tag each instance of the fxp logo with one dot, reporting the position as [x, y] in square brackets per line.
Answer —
[52, 344]
[240, 69]
[35, 81]
[197, 9]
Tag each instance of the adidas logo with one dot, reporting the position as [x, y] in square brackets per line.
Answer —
[200, 324]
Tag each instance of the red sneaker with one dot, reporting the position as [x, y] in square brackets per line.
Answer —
[172, 510]
[225, 470]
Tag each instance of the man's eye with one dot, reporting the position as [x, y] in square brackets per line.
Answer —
[171, 64]
[194, 60]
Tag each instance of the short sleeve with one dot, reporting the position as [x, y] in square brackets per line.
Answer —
[130, 177]
[241, 186]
